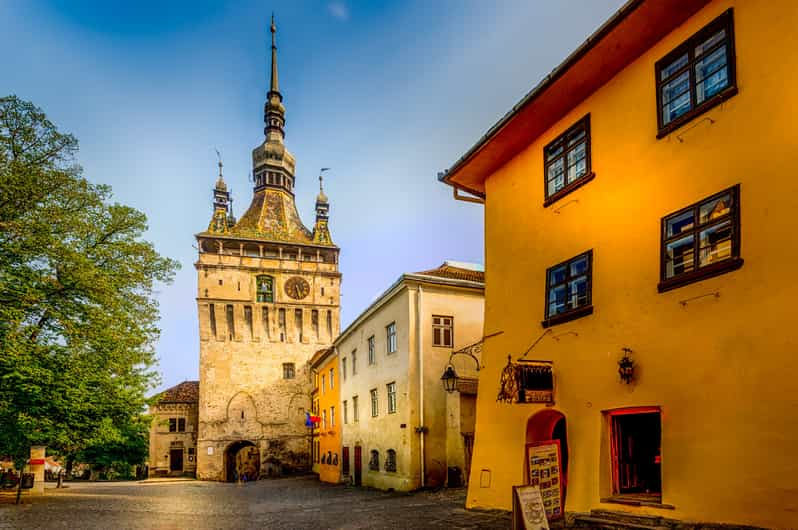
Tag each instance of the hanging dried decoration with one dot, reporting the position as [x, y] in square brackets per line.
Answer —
[626, 367]
[508, 384]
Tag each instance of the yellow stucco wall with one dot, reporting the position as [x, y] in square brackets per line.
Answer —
[330, 437]
[722, 369]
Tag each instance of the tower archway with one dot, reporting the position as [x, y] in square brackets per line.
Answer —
[242, 461]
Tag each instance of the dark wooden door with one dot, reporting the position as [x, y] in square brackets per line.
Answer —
[358, 465]
[176, 460]
[345, 461]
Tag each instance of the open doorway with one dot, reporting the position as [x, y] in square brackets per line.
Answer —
[549, 424]
[636, 457]
[242, 461]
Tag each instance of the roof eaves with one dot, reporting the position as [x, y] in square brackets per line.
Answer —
[586, 46]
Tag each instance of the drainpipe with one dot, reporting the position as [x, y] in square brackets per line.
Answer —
[419, 349]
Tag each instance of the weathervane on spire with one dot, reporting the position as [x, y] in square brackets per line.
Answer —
[321, 179]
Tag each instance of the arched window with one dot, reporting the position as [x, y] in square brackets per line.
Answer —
[265, 289]
[374, 462]
[323, 458]
[335, 459]
[390, 460]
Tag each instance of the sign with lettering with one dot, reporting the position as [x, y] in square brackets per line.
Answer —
[528, 510]
[544, 469]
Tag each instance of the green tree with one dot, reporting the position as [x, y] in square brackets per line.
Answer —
[78, 319]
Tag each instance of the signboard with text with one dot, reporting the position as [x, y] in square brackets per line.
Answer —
[543, 468]
[528, 510]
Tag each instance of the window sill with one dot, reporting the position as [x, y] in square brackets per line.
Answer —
[704, 273]
[567, 317]
[631, 500]
[568, 189]
[712, 102]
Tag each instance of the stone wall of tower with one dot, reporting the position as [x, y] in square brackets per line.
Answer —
[243, 393]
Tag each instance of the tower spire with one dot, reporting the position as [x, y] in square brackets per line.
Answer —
[274, 111]
[275, 85]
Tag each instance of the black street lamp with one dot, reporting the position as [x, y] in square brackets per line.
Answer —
[449, 379]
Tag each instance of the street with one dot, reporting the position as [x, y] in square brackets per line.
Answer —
[290, 503]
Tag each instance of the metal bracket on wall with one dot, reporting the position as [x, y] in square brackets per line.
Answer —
[684, 302]
[693, 126]
[559, 208]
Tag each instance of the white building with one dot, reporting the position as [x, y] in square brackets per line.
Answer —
[391, 359]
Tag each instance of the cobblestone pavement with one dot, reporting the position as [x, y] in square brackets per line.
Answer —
[290, 503]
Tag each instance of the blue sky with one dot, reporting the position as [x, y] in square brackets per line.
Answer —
[385, 93]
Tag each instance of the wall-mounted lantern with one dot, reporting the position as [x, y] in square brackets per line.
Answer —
[449, 379]
[626, 366]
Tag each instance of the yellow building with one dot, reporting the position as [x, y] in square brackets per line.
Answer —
[638, 227]
[326, 404]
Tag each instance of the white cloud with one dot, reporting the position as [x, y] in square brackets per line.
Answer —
[338, 10]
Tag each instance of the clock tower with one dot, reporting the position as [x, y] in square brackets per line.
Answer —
[268, 299]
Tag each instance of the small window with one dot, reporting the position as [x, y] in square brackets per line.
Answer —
[332, 378]
[374, 461]
[391, 387]
[390, 332]
[443, 331]
[332, 416]
[265, 321]
[372, 353]
[323, 383]
[355, 412]
[172, 424]
[181, 424]
[281, 323]
[375, 405]
[701, 241]
[324, 419]
[697, 75]
[329, 324]
[390, 460]
[346, 412]
[343, 368]
[314, 323]
[568, 290]
[288, 371]
[191, 451]
[566, 161]
[265, 289]
[335, 459]
[354, 362]
[298, 324]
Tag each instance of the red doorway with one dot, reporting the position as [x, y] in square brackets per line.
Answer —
[358, 465]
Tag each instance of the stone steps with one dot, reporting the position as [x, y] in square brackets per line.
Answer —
[610, 520]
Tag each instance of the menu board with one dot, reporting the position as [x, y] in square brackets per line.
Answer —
[543, 469]
[528, 510]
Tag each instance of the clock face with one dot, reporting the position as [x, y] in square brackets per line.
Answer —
[297, 288]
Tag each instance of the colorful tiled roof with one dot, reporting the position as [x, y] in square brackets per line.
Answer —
[454, 272]
[185, 392]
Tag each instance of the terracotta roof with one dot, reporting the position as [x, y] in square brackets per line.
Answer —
[447, 270]
[185, 392]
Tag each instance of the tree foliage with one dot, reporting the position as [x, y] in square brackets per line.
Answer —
[78, 319]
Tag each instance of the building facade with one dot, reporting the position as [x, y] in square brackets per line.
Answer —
[327, 406]
[635, 244]
[390, 362]
[268, 298]
[173, 431]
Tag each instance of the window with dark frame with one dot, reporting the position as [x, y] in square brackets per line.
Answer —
[391, 391]
[289, 371]
[248, 320]
[443, 331]
[697, 75]
[374, 461]
[390, 460]
[212, 319]
[375, 405]
[181, 424]
[569, 290]
[231, 328]
[701, 241]
[566, 161]
[172, 424]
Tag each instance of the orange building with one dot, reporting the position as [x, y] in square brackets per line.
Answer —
[326, 398]
[640, 247]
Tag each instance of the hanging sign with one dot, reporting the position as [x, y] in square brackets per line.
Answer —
[528, 510]
[544, 469]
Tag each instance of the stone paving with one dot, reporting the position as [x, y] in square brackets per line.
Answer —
[289, 503]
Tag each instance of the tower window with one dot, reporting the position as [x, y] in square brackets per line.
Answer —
[298, 323]
[329, 324]
[265, 286]
[288, 371]
[281, 323]
[231, 326]
[248, 319]
[212, 319]
[265, 318]
[314, 322]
